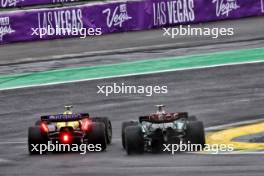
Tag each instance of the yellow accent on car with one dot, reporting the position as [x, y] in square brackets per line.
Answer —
[73, 124]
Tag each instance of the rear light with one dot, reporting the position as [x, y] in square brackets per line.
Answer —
[86, 125]
[44, 127]
[65, 138]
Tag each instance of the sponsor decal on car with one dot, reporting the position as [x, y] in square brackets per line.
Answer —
[117, 16]
[5, 27]
[63, 116]
[224, 7]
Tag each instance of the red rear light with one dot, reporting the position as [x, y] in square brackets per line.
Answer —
[86, 124]
[65, 138]
[44, 127]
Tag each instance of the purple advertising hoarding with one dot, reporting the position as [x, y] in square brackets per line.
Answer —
[122, 16]
[24, 3]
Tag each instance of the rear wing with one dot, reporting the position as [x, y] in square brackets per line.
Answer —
[169, 117]
[63, 117]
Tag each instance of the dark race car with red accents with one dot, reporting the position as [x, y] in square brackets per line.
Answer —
[70, 128]
[151, 132]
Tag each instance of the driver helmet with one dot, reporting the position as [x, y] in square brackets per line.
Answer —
[68, 110]
[160, 112]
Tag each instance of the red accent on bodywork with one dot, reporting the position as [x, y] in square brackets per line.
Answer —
[44, 127]
[86, 124]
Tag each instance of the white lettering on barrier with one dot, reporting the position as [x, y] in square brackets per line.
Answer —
[262, 5]
[10, 3]
[117, 17]
[224, 7]
[69, 18]
[61, 1]
[173, 12]
[13, 3]
[5, 27]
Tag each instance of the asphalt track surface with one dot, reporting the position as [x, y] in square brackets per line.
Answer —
[217, 96]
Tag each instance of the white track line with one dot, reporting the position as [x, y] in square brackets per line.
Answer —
[4, 160]
[13, 142]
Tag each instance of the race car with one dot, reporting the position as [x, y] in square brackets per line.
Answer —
[151, 132]
[70, 128]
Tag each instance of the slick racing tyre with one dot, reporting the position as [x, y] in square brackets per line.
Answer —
[134, 140]
[36, 138]
[124, 126]
[192, 118]
[97, 135]
[157, 141]
[38, 122]
[195, 133]
[108, 127]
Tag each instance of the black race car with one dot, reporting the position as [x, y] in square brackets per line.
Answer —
[152, 131]
[70, 128]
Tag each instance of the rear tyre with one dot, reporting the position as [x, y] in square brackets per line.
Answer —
[38, 122]
[108, 127]
[97, 135]
[134, 140]
[195, 134]
[124, 126]
[192, 118]
[35, 139]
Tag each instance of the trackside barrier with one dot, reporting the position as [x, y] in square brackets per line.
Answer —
[122, 16]
[24, 3]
